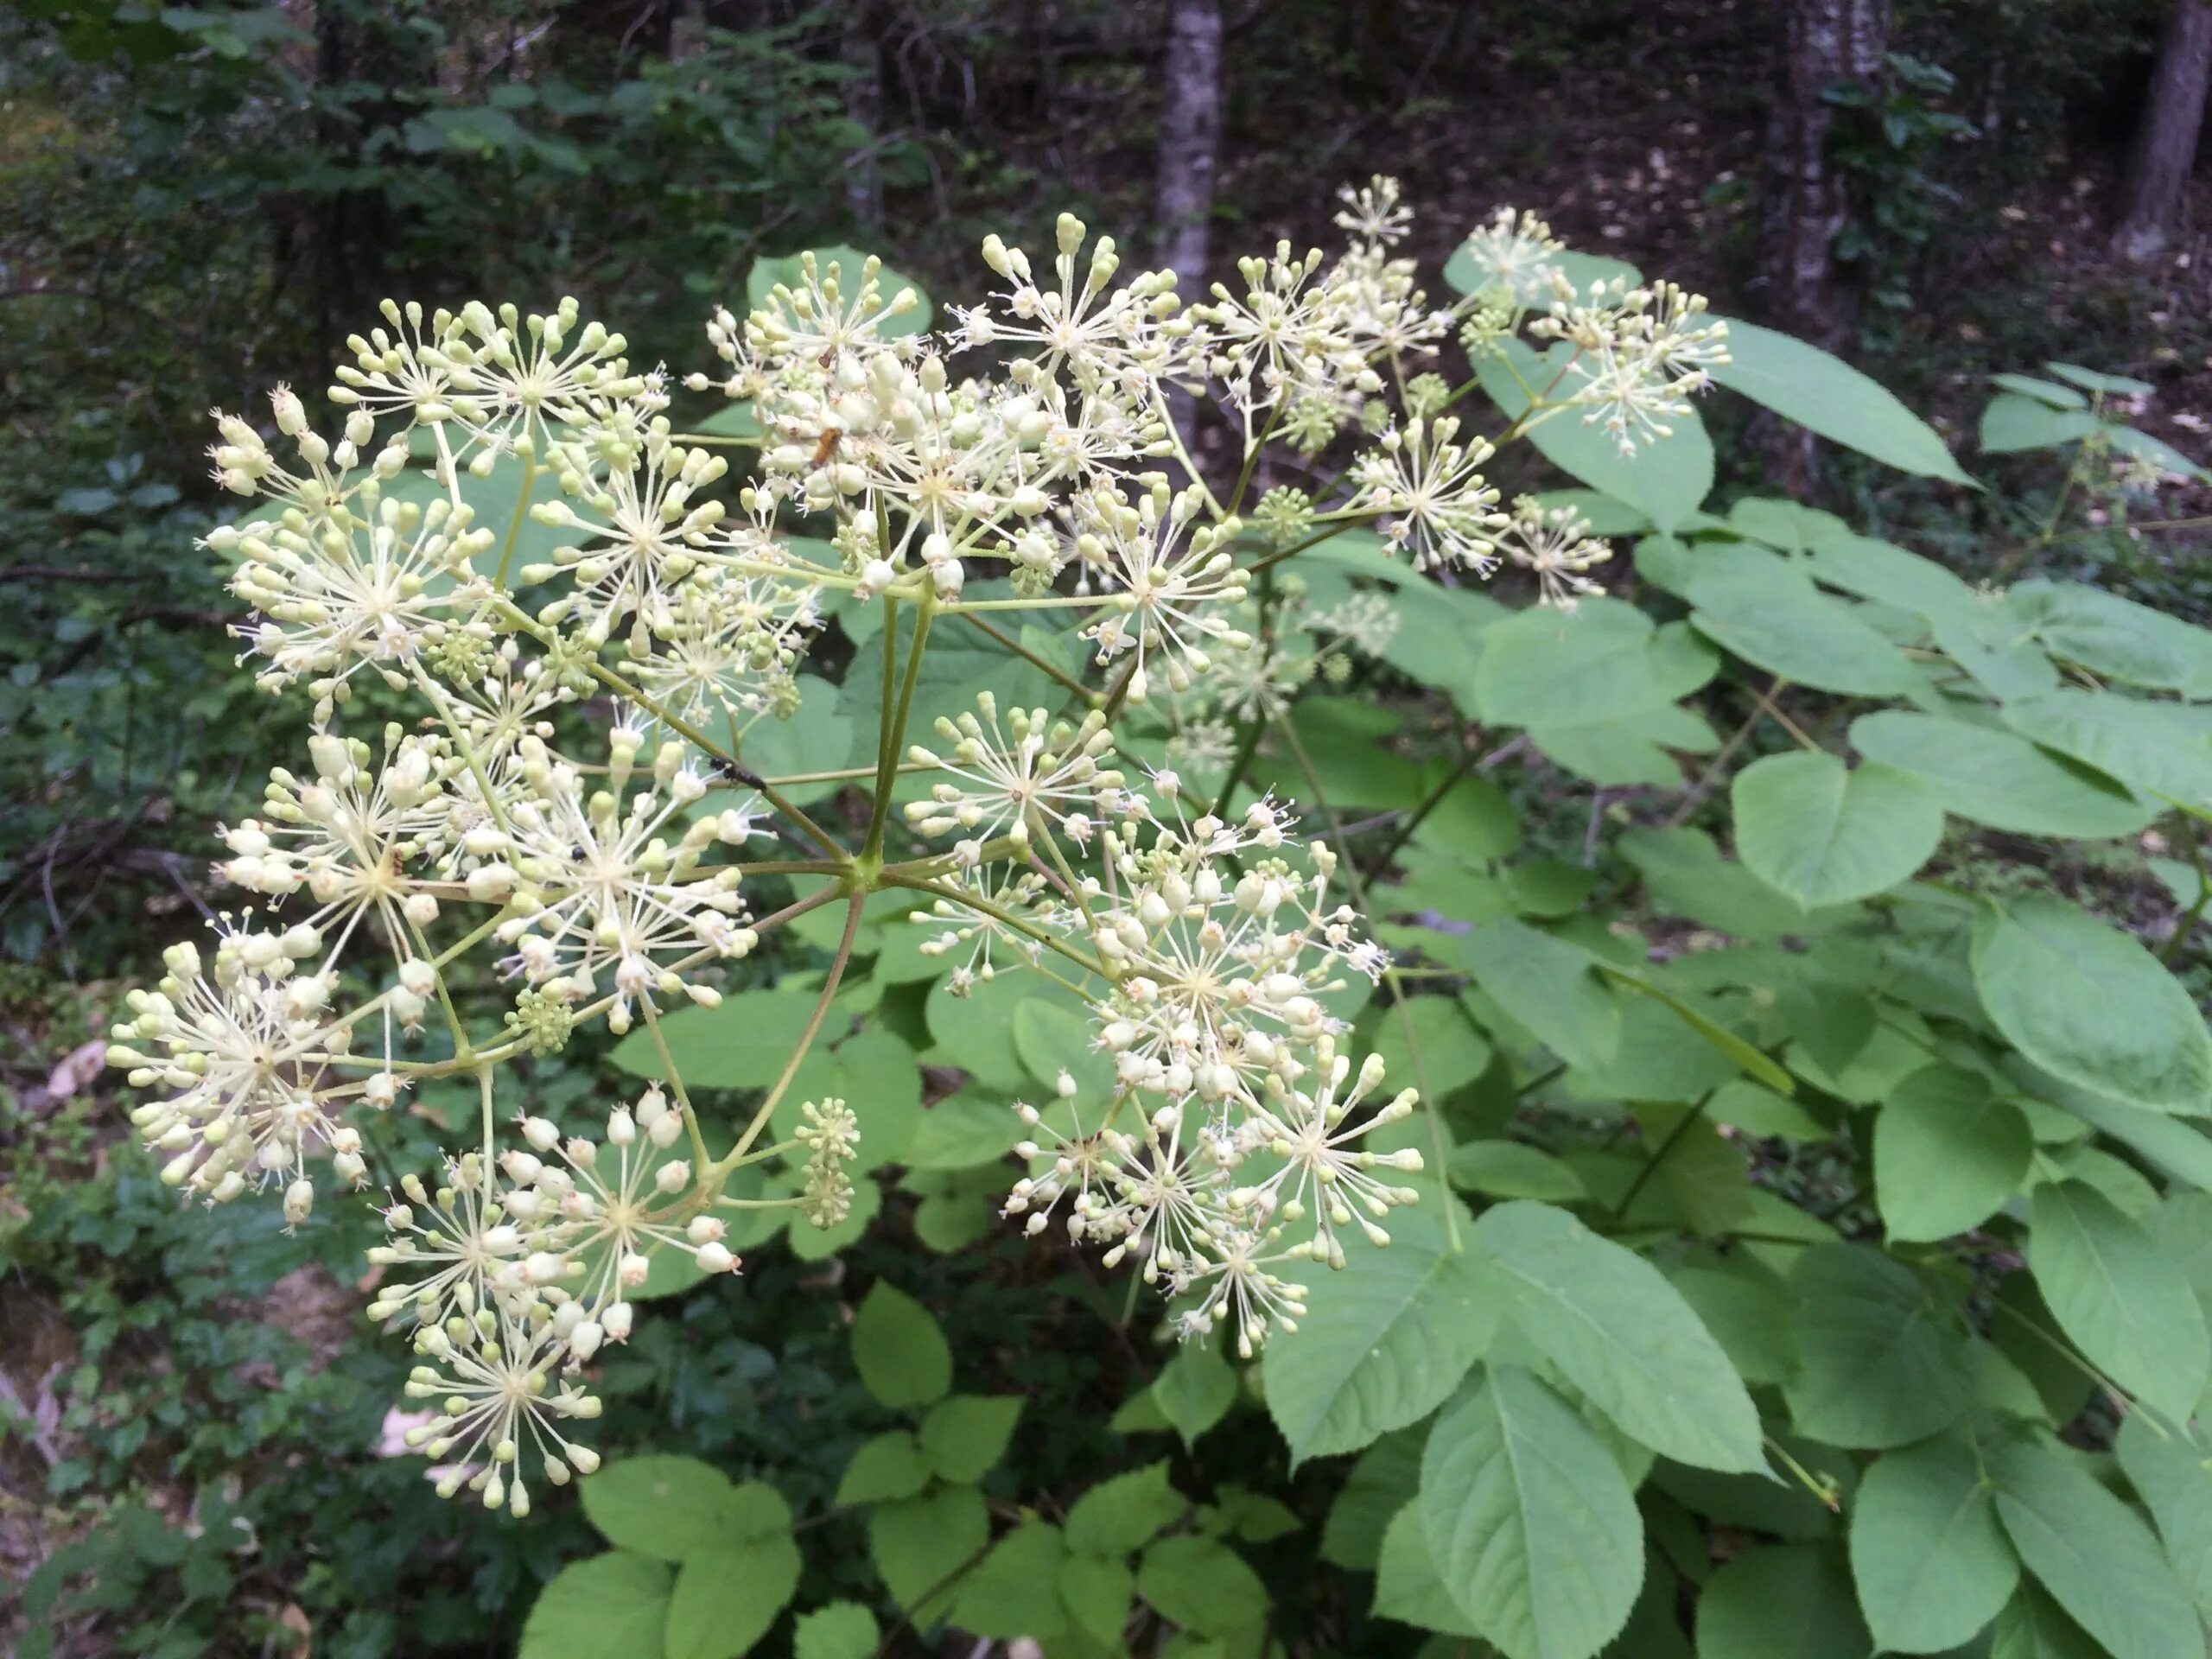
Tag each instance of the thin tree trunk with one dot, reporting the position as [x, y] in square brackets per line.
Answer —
[2165, 141]
[1827, 42]
[859, 51]
[1190, 140]
[1807, 201]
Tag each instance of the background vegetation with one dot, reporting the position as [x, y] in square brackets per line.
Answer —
[203, 200]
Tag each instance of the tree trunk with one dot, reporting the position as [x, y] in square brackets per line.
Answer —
[2165, 141]
[1807, 200]
[1827, 42]
[859, 52]
[1190, 140]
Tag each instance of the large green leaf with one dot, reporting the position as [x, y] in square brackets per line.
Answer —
[675, 1508]
[1592, 663]
[1548, 984]
[2161, 748]
[1999, 777]
[742, 1044]
[2116, 638]
[920, 1544]
[1783, 624]
[2173, 1478]
[1879, 1360]
[2012, 422]
[2127, 1306]
[1823, 834]
[2093, 1553]
[1617, 1330]
[1685, 874]
[2089, 1004]
[1664, 479]
[615, 1603]
[1932, 1564]
[1948, 1153]
[1015, 1590]
[900, 1353]
[1530, 1525]
[1384, 1340]
[843, 1629]
[1124, 1512]
[1823, 394]
[1781, 1599]
[726, 1599]
[1408, 1585]
[964, 1434]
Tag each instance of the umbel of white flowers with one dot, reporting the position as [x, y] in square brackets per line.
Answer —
[604, 871]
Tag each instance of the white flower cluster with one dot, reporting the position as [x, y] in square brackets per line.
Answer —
[509, 535]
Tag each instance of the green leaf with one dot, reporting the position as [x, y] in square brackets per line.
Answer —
[1999, 777]
[673, 1508]
[2033, 1626]
[1530, 1525]
[2116, 638]
[1881, 1363]
[2175, 1481]
[2012, 422]
[1381, 1483]
[965, 1434]
[1594, 663]
[1685, 874]
[1547, 985]
[1932, 1564]
[1803, 384]
[2096, 1556]
[1782, 1598]
[1097, 1593]
[1782, 623]
[1015, 1590]
[2091, 1005]
[2115, 385]
[1665, 480]
[1506, 1169]
[1195, 1389]
[725, 1599]
[1408, 1586]
[1202, 1584]
[1718, 1037]
[741, 1045]
[2127, 1306]
[843, 1629]
[1747, 1314]
[919, 1542]
[2156, 747]
[890, 1465]
[1124, 1513]
[901, 1354]
[1385, 1340]
[1619, 1332]
[615, 1603]
[801, 743]
[1948, 1153]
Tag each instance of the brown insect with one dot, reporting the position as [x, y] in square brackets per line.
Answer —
[826, 446]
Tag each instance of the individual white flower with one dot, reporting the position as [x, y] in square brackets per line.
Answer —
[602, 887]
[1079, 1167]
[372, 585]
[349, 835]
[981, 929]
[244, 1053]
[1639, 354]
[1238, 1287]
[1555, 543]
[494, 1380]
[1171, 584]
[1100, 335]
[1282, 333]
[1028, 773]
[1327, 1176]
[1431, 490]
[1516, 255]
[513, 381]
[1373, 212]
[450, 1250]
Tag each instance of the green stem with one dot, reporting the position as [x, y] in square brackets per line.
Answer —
[895, 728]
[514, 524]
[858, 903]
